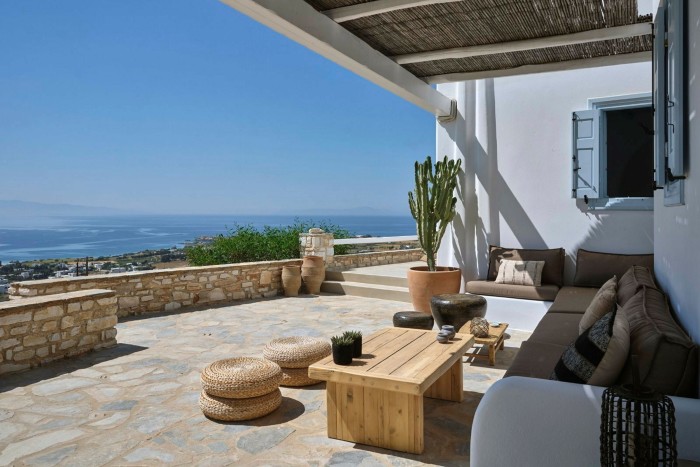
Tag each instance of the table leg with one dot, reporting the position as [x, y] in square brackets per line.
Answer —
[492, 354]
[450, 386]
[376, 417]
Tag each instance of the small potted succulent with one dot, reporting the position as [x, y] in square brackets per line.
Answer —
[343, 347]
[356, 337]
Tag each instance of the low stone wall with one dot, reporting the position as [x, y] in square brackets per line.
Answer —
[38, 330]
[341, 263]
[170, 289]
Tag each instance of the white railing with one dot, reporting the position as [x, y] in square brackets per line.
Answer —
[368, 240]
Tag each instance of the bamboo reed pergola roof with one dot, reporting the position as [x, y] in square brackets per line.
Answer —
[444, 40]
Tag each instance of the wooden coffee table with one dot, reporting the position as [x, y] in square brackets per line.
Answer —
[494, 342]
[378, 400]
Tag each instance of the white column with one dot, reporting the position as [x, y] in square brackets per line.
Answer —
[452, 140]
[471, 138]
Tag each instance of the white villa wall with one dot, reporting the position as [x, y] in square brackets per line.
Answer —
[514, 136]
[677, 229]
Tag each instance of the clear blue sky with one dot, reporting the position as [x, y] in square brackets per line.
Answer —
[187, 106]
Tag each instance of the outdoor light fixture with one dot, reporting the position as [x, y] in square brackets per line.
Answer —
[637, 427]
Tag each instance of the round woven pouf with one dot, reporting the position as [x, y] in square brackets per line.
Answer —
[241, 377]
[296, 352]
[229, 410]
[413, 320]
[297, 377]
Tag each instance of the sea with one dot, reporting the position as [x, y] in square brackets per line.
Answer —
[53, 237]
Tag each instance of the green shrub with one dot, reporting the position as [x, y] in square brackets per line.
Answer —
[245, 243]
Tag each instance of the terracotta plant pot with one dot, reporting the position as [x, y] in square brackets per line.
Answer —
[313, 272]
[291, 280]
[423, 284]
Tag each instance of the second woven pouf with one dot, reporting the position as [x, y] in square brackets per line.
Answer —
[294, 355]
[240, 388]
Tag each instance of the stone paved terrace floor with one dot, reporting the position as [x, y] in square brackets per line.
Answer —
[136, 403]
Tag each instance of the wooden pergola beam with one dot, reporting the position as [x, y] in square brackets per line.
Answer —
[607, 60]
[348, 13]
[594, 35]
[301, 23]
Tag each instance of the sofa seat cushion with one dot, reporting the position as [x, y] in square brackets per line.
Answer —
[526, 292]
[632, 282]
[557, 328]
[552, 272]
[573, 300]
[594, 268]
[535, 360]
[666, 357]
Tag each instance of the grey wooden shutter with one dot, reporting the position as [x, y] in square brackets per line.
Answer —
[586, 154]
[659, 72]
[673, 190]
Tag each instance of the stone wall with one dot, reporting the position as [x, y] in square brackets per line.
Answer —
[341, 263]
[171, 289]
[38, 330]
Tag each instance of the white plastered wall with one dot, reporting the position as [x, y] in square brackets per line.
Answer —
[514, 136]
[677, 229]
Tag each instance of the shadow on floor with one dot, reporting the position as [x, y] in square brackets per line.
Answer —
[208, 306]
[447, 436]
[287, 411]
[66, 365]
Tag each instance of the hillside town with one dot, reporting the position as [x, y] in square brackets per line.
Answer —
[14, 271]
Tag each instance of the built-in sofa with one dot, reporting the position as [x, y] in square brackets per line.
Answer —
[563, 419]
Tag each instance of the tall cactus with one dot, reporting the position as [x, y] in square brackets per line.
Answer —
[433, 203]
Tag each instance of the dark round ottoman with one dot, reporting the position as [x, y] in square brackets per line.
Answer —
[413, 320]
[456, 309]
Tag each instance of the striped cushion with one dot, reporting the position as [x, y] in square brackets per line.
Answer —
[598, 355]
[520, 272]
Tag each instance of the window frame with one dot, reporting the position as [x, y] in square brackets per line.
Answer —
[603, 105]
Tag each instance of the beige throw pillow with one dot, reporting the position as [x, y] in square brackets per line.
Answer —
[603, 302]
[520, 272]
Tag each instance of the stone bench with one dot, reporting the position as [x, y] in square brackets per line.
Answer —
[37, 330]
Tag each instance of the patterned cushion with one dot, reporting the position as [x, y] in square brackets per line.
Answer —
[598, 355]
[520, 272]
[552, 273]
[603, 301]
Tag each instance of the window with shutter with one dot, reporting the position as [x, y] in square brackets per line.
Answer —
[613, 153]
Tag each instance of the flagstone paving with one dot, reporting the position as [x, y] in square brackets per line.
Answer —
[136, 403]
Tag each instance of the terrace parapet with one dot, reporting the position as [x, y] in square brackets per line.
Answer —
[360, 260]
[37, 330]
[173, 289]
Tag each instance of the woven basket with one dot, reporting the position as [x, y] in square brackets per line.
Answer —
[228, 410]
[296, 352]
[297, 377]
[241, 377]
[479, 327]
